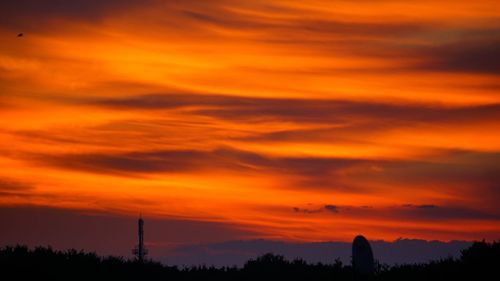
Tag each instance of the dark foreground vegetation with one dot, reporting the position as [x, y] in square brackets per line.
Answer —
[479, 262]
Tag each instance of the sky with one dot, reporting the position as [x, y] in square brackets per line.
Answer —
[297, 121]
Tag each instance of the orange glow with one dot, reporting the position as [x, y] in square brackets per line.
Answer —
[258, 114]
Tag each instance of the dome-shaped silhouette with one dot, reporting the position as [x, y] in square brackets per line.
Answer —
[362, 256]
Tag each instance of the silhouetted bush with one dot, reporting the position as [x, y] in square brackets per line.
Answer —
[481, 261]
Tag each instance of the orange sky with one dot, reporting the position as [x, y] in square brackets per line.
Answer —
[292, 120]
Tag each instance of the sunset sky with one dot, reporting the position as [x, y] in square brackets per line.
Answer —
[277, 119]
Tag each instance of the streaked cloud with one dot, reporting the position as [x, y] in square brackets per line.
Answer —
[423, 212]
[302, 110]
[34, 14]
[9, 188]
[298, 117]
[477, 54]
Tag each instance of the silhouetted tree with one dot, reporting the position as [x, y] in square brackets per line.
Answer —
[481, 261]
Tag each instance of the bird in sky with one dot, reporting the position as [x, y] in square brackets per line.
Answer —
[20, 35]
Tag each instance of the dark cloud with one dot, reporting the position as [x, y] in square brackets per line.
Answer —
[194, 15]
[187, 160]
[475, 51]
[433, 212]
[134, 162]
[332, 208]
[197, 14]
[307, 211]
[387, 29]
[465, 172]
[328, 208]
[48, 137]
[290, 31]
[301, 110]
[12, 188]
[472, 50]
[223, 18]
[425, 206]
[35, 13]
[423, 212]
[480, 55]
[305, 172]
[11, 185]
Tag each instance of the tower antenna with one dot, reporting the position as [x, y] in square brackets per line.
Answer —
[140, 251]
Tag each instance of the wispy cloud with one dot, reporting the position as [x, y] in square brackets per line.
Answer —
[14, 188]
[422, 212]
[22, 13]
[301, 110]
[297, 117]
[474, 55]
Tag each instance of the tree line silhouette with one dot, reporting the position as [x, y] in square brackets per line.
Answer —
[481, 261]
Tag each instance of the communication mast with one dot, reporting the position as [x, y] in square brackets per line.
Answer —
[140, 251]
